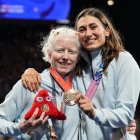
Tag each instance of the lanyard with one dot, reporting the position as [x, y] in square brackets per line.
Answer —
[94, 83]
[70, 94]
[91, 92]
[65, 85]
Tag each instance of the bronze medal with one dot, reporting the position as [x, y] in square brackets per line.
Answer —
[69, 97]
[70, 94]
[45, 107]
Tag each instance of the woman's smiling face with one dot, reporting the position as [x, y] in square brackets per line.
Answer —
[63, 56]
[92, 33]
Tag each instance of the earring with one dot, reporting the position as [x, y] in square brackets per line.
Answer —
[106, 38]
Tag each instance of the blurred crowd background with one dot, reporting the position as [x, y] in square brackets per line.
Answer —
[19, 41]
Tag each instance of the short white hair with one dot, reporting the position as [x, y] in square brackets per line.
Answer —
[58, 33]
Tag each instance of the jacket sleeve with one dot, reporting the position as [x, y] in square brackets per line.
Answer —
[11, 109]
[128, 89]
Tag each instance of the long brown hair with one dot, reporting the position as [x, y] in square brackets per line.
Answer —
[113, 44]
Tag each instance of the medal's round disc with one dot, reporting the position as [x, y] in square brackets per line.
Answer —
[69, 97]
[45, 107]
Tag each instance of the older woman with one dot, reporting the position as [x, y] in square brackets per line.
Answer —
[61, 49]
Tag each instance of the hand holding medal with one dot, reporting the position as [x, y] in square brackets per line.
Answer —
[70, 94]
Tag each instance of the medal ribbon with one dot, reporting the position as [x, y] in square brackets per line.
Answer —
[94, 83]
[65, 85]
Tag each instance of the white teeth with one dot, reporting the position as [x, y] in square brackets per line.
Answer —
[62, 63]
[89, 41]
